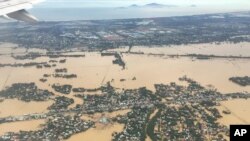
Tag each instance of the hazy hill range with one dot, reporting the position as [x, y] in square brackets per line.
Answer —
[151, 5]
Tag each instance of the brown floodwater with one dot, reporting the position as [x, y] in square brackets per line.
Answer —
[93, 70]
[21, 126]
[240, 113]
[103, 134]
[13, 107]
[223, 49]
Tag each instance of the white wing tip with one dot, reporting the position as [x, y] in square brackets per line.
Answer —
[23, 15]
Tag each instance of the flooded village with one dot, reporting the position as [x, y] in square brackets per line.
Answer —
[170, 105]
[125, 80]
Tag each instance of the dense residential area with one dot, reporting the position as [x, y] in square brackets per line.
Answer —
[181, 112]
[105, 34]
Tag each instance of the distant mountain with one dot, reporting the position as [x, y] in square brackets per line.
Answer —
[193, 5]
[157, 5]
[151, 5]
[134, 5]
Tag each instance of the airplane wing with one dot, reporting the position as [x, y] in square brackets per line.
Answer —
[15, 9]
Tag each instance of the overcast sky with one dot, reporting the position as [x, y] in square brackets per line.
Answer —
[117, 3]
